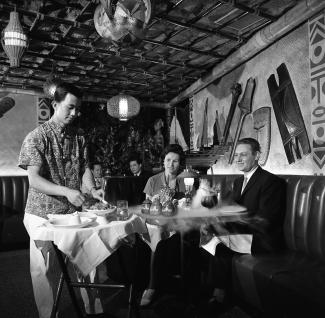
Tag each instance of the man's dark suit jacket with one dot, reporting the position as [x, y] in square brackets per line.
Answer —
[265, 199]
[144, 173]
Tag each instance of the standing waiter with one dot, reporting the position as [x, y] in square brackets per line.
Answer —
[56, 159]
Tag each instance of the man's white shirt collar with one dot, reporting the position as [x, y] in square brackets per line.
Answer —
[249, 174]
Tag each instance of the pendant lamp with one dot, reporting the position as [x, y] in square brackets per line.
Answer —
[14, 40]
[123, 107]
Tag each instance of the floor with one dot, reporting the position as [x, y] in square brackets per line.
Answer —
[16, 297]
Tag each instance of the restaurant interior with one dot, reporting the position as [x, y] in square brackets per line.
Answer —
[200, 74]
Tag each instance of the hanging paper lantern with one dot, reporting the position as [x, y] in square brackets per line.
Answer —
[14, 40]
[123, 107]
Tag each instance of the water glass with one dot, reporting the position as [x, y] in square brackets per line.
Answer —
[122, 210]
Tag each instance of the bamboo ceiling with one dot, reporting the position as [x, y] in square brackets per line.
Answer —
[184, 40]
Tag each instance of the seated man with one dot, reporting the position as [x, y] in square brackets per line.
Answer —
[136, 169]
[264, 196]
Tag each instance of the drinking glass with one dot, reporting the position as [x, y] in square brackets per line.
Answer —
[122, 210]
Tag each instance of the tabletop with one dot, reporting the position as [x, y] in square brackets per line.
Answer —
[89, 246]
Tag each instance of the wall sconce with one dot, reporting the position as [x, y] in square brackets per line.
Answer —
[14, 40]
[188, 174]
[123, 107]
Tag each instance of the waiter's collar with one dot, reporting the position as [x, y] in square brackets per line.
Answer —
[56, 126]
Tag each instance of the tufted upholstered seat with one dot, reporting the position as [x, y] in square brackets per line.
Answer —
[13, 195]
[290, 283]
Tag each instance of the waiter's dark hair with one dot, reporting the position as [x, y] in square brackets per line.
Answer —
[175, 148]
[63, 89]
[255, 145]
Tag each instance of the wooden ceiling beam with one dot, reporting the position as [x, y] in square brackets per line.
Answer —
[49, 18]
[191, 26]
[257, 12]
[111, 53]
[185, 49]
[163, 75]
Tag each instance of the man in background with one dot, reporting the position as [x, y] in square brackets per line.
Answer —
[136, 169]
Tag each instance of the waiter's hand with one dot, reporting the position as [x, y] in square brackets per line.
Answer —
[98, 194]
[75, 197]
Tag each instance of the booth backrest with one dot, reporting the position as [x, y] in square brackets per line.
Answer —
[304, 225]
[13, 195]
[125, 188]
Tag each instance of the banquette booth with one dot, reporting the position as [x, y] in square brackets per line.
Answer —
[291, 282]
[201, 74]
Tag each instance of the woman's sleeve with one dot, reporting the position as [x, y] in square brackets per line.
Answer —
[148, 189]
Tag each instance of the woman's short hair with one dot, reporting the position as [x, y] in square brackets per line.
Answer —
[175, 148]
[63, 89]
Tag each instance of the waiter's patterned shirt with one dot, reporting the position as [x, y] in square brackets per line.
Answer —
[63, 156]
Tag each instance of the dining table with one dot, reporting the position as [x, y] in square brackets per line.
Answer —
[87, 245]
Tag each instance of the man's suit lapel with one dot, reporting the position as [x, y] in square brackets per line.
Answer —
[252, 180]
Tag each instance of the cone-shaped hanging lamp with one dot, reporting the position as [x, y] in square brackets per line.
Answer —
[14, 40]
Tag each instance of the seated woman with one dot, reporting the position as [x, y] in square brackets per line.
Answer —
[166, 260]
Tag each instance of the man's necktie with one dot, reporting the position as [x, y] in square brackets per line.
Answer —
[244, 184]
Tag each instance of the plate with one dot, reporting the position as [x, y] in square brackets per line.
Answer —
[232, 209]
[64, 216]
[64, 223]
[101, 212]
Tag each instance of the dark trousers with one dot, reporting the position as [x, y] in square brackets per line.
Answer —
[217, 270]
[176, 265]
[130, 264]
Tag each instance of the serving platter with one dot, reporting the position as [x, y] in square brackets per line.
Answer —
[185, 213]
[65, 222]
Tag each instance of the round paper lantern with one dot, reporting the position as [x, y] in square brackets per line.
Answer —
[14, 40]
[123, 107]
[127, 24]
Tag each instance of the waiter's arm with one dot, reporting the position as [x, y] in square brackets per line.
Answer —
[43, 185]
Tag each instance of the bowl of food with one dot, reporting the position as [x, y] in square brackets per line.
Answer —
[101, 209]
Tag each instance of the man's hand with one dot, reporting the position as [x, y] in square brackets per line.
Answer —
[98, 194]
[75, 197]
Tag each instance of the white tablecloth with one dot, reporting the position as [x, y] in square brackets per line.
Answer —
[86, 247]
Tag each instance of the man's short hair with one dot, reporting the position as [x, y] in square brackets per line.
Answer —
[93, 164]
[255, 145]
[135, 157]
